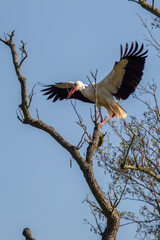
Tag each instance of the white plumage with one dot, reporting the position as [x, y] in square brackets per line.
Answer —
[119, 83]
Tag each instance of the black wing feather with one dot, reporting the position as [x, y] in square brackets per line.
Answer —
[130, 50]
[133, 70]
[62, 93]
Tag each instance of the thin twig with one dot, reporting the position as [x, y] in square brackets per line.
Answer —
[93, 206]
[94, 85]
[150, 33]
[120, 198]
[125, 224]
[80, 123]
[20, 119]
[22, 48]
[96, 220]
[110, 200]
[31, 95]
[37, 114]
[129, 147]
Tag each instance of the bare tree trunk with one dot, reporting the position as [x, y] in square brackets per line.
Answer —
[86, 165]
[112, 227]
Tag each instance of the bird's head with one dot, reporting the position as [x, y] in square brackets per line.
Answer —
[77, 86]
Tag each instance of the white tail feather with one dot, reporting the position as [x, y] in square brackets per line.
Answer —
[118, 110]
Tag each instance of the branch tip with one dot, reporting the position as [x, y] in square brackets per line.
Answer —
[23, 51]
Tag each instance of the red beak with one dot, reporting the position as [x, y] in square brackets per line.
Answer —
[71, 92]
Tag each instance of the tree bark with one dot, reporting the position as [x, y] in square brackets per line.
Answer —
[148, 7]
[86, 165]
[27, 234]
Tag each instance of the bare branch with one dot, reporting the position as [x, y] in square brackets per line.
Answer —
[95, 217]
[93, 204]
[129, 147]
[31, 95]
[145, 170]
[154, 43]
[94, 85]
[80, 123]
[81, 142]
[37, 114]
[7, 42]
[120, 198]
[92, 227]
[22, 48]
[86, 165]
[20, 119]
[125, 224]
[148, 7]
[95, 90]
[27, 234]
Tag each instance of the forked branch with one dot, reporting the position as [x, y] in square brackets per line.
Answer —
[86, 165]
[23, 54]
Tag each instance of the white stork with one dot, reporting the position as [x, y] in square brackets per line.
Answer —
[119, 83]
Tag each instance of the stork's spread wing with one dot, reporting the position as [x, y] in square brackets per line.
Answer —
[59, 91]
[127, 73]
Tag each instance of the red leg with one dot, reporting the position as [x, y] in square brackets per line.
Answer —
[101, 116]
[99, 109]
[108, 118]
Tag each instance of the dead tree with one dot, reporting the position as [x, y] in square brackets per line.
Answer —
[86, 165]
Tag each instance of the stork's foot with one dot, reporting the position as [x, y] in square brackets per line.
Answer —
[107, 119]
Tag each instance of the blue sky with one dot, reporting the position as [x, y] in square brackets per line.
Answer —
[65, 40]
